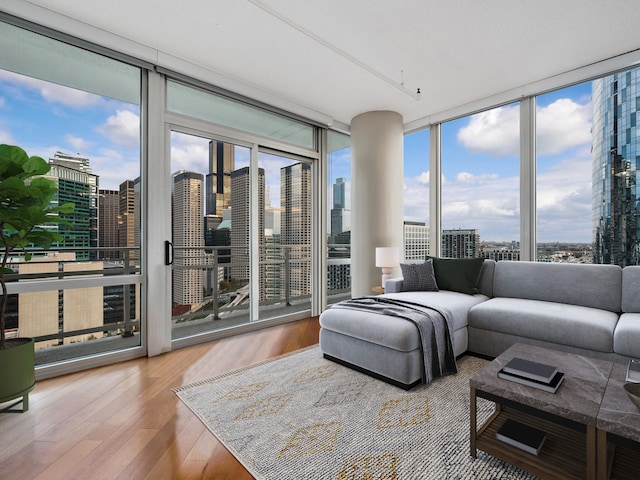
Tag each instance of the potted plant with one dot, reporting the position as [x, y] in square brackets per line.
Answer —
[25, 208]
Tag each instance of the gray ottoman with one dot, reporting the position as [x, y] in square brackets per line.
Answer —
[384, 347]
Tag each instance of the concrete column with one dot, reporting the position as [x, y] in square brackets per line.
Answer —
[376, 194]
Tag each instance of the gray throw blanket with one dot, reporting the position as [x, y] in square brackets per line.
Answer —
[433, 326]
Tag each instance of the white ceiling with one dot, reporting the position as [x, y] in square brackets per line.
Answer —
[345, 57]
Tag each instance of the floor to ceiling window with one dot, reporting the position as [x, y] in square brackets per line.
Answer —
[80, 111]
[416, 196]
[339, 217]
[210, 272]
[481, 185]
[285, 196]
[563, 175]
[242, 198]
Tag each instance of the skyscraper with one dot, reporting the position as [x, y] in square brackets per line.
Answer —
[218, 186]
[340, 215]
[295, 200]
[127, 218]
[188, 231]
[615, 156]
[240, 227]
[77, 184]
[108, 209]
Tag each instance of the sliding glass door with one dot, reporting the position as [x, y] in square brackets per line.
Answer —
[210, 241]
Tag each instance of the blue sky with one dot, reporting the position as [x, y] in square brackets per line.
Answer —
[44, 118]
[479, 152]
[480, 167]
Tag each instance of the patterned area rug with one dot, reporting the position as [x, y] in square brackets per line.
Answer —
[300, 416]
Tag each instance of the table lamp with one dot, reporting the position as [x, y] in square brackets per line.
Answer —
[387, 258]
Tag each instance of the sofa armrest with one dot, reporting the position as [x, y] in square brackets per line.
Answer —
[393, 285]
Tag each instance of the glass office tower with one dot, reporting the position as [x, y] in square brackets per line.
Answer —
[616, 101]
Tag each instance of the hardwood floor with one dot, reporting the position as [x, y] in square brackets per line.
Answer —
[123, 421]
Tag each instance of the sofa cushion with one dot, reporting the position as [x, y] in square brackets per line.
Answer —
[458, 274]
[626, 339]
[388, 331]
[457, 303]
[630, 283]
[560, 323]
[419, 276]
[596, 286]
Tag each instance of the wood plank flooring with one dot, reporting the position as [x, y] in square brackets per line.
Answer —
[123, 421]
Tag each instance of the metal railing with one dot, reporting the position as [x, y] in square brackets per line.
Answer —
[285, 286]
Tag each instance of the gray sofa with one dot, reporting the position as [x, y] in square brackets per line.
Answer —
[592, 310]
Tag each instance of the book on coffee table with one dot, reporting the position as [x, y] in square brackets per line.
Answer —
[528, 369]
[522, 436]
[633, 371]
[551, 386]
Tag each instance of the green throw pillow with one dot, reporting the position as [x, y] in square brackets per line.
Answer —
[458, 274]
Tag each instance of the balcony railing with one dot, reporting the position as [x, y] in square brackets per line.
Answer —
[93, 306]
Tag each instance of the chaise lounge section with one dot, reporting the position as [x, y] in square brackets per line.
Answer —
[389, 347]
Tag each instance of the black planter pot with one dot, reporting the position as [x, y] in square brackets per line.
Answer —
[17, 373]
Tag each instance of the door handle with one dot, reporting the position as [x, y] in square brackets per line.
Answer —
[168, 252]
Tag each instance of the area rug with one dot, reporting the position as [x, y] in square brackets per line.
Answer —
[300, 416]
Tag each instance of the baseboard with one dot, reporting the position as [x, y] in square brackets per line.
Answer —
[377, 376]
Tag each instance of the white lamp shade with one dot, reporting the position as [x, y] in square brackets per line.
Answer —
[387, 256]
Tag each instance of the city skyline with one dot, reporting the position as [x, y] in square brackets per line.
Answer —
[480, 155]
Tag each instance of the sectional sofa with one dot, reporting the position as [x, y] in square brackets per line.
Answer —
[592, 310]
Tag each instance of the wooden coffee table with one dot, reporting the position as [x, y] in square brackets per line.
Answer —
[618, 431]
[569, 416]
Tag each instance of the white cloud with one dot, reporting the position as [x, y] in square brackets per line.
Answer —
[5, 136]
[487, 203]
[67, 96]
[561, 125]
[563, 198]
[79, 144]
[495, 132]
[123, 128]
[52, 92]
[457, 208]
[189, 152]
[469, 178]
[416, 198]
[2, 102]
[113, 168]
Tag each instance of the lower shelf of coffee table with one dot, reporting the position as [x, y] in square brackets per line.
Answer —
[563, 455]
[622, 463]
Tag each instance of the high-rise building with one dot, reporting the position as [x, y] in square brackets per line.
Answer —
[616, 157]
[126, 218]
[78, 185]
[108, 209]
[218, 180]
[240, 227]
[188, 231]
[295, 232]
[340, 214]
[461, 243]
[340, 193]
[217, 201]
[416, 240]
